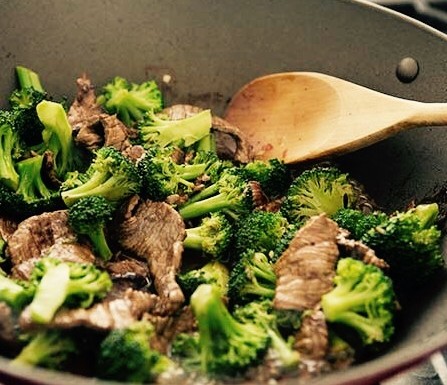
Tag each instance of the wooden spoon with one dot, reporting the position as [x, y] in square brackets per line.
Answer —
[299, 116]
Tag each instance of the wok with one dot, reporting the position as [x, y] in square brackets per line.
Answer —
[209, 48]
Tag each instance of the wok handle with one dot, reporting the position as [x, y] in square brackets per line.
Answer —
[439, 364]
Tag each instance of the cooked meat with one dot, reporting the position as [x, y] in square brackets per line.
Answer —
[312, 338]
[231, 142]
[133, 271]
[167, 327]
[306, 269]
[8, 330]
[134, 153]
[84, 113]
[92, 127]
[358, 250]
[7, 227]
[119, 309]
[115, 132]
[36, 235]
[155, 231]
[65, 251]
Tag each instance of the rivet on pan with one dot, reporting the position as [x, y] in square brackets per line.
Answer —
[407, 70]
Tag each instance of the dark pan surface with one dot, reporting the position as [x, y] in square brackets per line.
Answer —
[212, 47]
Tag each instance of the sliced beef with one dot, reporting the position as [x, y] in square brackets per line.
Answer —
[358, 250]
[167, 327]
[115, 132]
[312, 338]
[36, 235]
[7, 227]
[92, 127]
[306, 269]
[155, 231]
[231, 142]
[119, 309]
[135, 272]
[68, 251]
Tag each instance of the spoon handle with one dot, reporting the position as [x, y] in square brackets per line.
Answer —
[429, 114]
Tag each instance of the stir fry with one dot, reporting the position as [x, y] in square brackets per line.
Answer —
[142, 242]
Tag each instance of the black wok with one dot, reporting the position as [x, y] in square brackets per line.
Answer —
[212, 47]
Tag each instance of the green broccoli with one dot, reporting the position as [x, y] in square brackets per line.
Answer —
[110, 175]
[57, 137]
[47, 348]
[213, 273]
[125, 355]
[318, 190]
[231, 194]
[227, 347]
[252, 277]
[273, 175]
[23, 102]
[162, 176]
[9, 141]
[16, 293]
[410, 242]
[185, 348]
[32, 195]
[130, 101]
[89, 216]
[263, 314]
[212, 236]
[357, 222]
[363, 299]
[161, 131]
[71, 284]
[260, 230]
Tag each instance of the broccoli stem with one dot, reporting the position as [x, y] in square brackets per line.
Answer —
[288, 357]
[100, 244]
[258, 290]
[11, 292]
[8, 173]
[28, 79]
[57, 133]
[31, 185]
[191, 171]
[205, 193]
[205, 206]
[50, 293]
[193, 239]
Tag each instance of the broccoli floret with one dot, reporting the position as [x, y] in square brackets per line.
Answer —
[9, 140]
[71, 284]
[260, 231]
[212, 236]
[231, 194]
[227, 347]
[284, 242]
[213, 273]
[23, 102]
[130, 101]
[32, 195]
[47, 348]
[263, 314]
[410, 242]
[89, 216]
[357, 222]
[251, 278]
[125, 355]
[110, 175]
[161, 131]
[27, 78]
[273, 175]
[186, 349]
[318, 190]
[363, 299]
[162, 176]
[57, 137]
[16, 293]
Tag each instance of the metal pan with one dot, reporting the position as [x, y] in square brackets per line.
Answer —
[207, 49]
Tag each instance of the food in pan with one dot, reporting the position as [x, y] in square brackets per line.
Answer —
[142, 243]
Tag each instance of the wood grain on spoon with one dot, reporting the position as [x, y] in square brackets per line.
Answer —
[299, 116]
